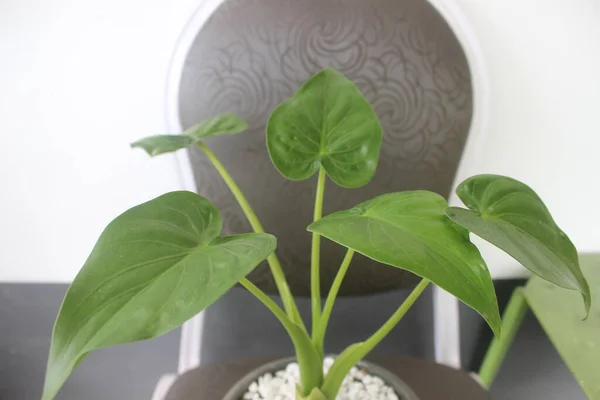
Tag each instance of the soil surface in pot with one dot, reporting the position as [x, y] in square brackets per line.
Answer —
[359, 384]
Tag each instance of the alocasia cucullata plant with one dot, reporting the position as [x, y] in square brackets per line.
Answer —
[160, 263]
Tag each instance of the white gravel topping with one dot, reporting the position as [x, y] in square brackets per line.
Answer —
[358, 385]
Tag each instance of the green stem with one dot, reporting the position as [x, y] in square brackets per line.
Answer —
[315, 394]
[280, 280]
[386, 328]
[511, 321]
[266, 300]
[331, 296]
[309, 359]
[358, 351]
[315, 277]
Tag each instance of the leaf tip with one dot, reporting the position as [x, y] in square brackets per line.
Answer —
[493, 320]
[450, 212]
[272, 242]
[135, 145]
[587, 301]
[496, 327]
[139, 145]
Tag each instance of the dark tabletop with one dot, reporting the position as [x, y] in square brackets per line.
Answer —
[428, 380]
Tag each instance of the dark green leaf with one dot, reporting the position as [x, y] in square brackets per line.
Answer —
[409, 230]
[154, 267]
[327, 122]
[159, 144]
[223, 124]
[511, 216]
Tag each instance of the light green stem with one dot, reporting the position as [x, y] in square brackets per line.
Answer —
[511, 321]
[358, 351]
[386, 328]
[309, 359]
[315, 394]
[280, 280]
[315, 273]
[266, 300]
[319, 338]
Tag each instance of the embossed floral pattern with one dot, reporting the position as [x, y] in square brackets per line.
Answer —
[252, 54]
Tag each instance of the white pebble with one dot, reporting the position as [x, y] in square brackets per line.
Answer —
[357, 385]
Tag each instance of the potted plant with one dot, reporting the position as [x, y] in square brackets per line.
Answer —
[162, 262]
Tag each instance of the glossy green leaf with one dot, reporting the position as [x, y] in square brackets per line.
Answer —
[410, 230]
[327, 122]
[511, 216]
[154, 267]
[160, 144]
[222, 124]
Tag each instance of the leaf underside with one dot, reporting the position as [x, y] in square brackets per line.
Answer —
[328, 123]
[160, 144]
[222, 124]
[512, 217]
[154, 267]
[410, 230]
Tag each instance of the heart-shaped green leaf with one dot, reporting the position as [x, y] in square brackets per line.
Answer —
[154, 267]
[222, 124]
[511, 216]
[327, 122]
[410, 230]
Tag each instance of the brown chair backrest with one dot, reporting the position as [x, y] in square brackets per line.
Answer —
[253, 54]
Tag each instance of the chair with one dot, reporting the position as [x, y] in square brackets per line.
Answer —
[419, 64]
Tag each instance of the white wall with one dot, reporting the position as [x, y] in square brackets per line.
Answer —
[79, 81]
[543, 61]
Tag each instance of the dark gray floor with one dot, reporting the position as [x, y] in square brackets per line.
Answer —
[532, 370]
[27, 314]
